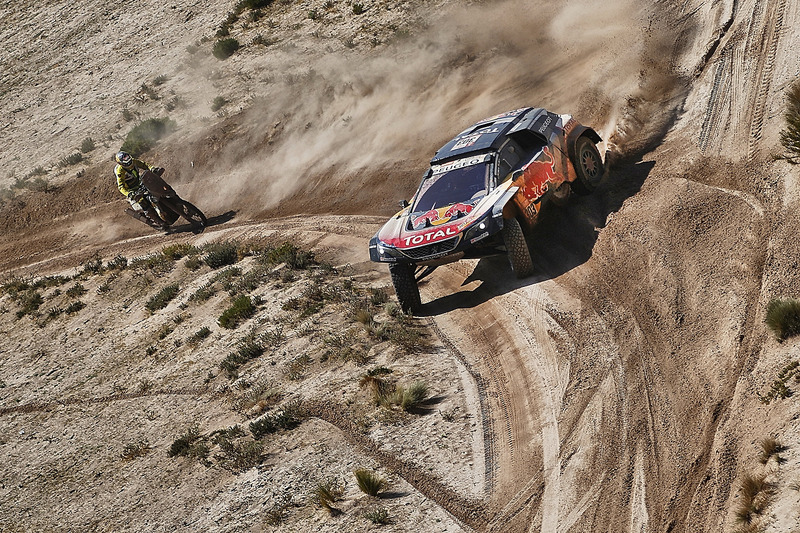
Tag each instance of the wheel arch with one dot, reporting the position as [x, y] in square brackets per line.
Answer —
[578, 132]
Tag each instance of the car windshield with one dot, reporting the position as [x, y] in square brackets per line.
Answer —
[448, 187]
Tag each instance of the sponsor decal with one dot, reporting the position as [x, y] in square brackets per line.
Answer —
[537, 174]
[459, 163]
[532, 210]
[569, 126]
[430, 236]
[463, 142]
[479, 237]
[436, 217]
[544, 125]
[428, 218]
[455, 209]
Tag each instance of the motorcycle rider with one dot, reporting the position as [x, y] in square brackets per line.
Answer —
[130, 184]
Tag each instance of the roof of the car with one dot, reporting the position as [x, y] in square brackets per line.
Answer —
[486, 135]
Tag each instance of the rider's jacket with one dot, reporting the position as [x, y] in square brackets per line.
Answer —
[128, 179]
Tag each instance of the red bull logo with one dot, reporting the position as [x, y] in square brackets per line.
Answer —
[537, 175]
[435, 217]
[428, 218]
[455, 209]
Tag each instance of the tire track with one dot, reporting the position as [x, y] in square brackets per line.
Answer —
[494, 385]
[774, 27]
[470, 513]
[489, 451]
[545, 366]
[716, 101]
[46, 406]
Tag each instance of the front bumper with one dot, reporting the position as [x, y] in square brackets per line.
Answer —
[480, 239]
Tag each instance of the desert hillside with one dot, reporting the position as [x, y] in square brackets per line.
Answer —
[238, 378]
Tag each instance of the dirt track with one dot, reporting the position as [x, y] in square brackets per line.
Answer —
[617, 389]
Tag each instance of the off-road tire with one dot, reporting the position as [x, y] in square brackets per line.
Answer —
[182, 208]
[405, 286]
[193, 215]
[588, 166]
[519, 255]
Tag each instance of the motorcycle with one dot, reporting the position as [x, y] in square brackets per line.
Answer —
[166, 205]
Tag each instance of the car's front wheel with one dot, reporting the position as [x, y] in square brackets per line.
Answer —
[519, 255]
[588, 166]
[405, 286]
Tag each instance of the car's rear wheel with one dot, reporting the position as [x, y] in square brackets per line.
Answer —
[405, 286]
[519, 255]
[588, 166]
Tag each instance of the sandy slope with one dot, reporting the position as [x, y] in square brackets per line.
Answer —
[616, 390]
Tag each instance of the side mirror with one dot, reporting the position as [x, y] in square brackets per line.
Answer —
[403, 204]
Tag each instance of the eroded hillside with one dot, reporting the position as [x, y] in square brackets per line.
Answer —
[624, 387]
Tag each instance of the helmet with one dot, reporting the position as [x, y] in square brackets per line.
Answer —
[124, 159]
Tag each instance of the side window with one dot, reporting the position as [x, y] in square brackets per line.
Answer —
[509, 158]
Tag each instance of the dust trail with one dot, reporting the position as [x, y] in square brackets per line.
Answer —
[345, 118]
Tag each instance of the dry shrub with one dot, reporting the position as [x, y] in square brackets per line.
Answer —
[783, 317]
[369, 482]
[756, 494]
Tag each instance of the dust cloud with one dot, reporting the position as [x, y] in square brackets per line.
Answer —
[345, 117]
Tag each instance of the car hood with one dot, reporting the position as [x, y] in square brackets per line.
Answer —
[409, 230]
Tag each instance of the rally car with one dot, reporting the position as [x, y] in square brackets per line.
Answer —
[483, 190]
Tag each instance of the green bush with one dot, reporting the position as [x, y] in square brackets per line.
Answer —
[120, 262]
[191, 444]
[38, 171]
[248, 349]
[218, 103]
[199, 335]
[76, 291]
[225, 48]
[87, 145]
[783, 318]
[72, 159]
[790, 137]
[288, 417]
[38, 185]
[290, 254]
[252, 4]
[220, 254]
[162, 298]
[238, 457]
[378, 515]
[74, 307]
[30, 301]
[241, 309]
[146, 134]
[173, 252]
